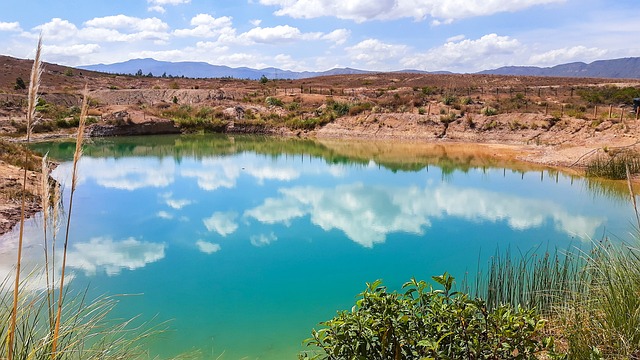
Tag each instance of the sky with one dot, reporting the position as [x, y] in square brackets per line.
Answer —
[461, 36]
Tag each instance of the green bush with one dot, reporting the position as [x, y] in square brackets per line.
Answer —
[423, 323]
[273, 101]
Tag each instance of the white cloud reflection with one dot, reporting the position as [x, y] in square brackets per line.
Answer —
[104, 253]
[222, 222]
[207, 247]
[214, 173]
[125, 173]
[366, 214]
[262, 239]
[175, 204]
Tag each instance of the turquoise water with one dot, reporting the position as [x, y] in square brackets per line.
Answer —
[245, 244]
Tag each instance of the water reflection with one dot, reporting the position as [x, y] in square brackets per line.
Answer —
[222, 223]
[367, 214]
[234, 225]
[105, 254]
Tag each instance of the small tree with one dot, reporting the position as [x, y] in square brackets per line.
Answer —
[20, 85]
[139, 73]
[263, 79]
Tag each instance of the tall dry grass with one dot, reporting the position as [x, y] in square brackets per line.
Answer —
[34, 84]
[74, 181]
[37, 324]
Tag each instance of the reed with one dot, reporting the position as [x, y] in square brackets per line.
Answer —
[540, 280]
[614, 166]
[34, 84]
[74, 180]
[86, 331]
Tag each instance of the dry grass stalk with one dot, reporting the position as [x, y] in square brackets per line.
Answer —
[34, 84]
[633, 197]
[74, 180]
[45, 197]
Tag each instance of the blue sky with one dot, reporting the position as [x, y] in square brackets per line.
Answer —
[316, 35]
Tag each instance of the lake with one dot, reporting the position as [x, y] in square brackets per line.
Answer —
[246, 243]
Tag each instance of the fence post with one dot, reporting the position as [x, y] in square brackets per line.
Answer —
[610, 111]
[595, 112]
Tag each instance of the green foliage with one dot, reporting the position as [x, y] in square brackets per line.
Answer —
[428, 90]
[609, 94]
[273, 101]
[19, 85]
[360, 108]
[614, 165]
[489, 111]
[449, 100]
[425, 323]
[308, 123]
[446, 119]
[86, 331]
[263, 79]
[337, 108]
[68, 72]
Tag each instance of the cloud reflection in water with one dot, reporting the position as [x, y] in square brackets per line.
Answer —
[366, 214]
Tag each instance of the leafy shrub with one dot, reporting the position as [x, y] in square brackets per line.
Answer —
[489, 111]
[423, 323]
[449, 100]
[273, 101]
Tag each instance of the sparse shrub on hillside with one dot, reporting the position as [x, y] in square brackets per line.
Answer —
[609, 94]
[449, 100]
[19, 85]
[273, 101]
[489, 111]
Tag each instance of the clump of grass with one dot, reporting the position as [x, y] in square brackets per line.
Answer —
[613, 165]
[535, 280]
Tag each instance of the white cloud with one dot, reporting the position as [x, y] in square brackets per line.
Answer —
[456, 38]
[367, 214]
[558, 56]
[206, 26]
[207, 247]
[364, 10]
[375, 53]
[338, 36]
[222, 222]
[255, 22]
[262, 239]
[10, 26]
[489, 51]
[128, 22]
[57, 29]
[272, 35]
[113, 256]
[157, 5]
[71, 50]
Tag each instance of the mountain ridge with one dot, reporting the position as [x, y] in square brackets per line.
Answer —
[614, 68]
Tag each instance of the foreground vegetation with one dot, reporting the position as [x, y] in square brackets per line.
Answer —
[49, 321]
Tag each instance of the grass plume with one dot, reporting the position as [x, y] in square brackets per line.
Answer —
[74, 180]
[34, 84]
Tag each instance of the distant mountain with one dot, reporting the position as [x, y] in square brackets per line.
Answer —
[628, 68]
[625, 68]
[205, 70]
